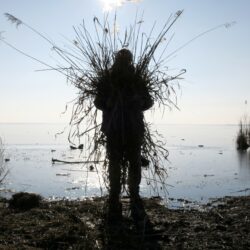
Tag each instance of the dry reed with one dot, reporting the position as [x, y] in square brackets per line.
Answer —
[88, 59]
[3, 169]
[243, 137]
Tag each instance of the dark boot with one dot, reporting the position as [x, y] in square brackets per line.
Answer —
[114, 225]
[114, 211]
[140, 216]
[138, 212]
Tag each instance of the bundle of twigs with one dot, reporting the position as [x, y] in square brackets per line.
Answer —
[89, 58]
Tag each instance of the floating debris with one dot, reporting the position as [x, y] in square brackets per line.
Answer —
[243, 190]
[72, 170]
[63, 174]
[73, 162]
[208, 175]
[74, 147]
[72, 188]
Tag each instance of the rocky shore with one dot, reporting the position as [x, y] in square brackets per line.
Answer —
[223, 224]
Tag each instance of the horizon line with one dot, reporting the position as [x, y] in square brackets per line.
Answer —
[157, 123]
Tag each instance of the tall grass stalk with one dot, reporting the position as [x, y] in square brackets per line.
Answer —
[243, 137]
[3, 169]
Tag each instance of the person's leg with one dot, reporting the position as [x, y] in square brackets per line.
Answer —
[114, 176]
[138, 212]
[134, 171]
[133, 154]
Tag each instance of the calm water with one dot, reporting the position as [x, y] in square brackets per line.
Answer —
[195, 173]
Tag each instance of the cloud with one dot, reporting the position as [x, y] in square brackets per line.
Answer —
[109, 5]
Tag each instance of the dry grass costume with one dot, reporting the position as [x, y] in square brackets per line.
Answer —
[122, 99]
[122, 87]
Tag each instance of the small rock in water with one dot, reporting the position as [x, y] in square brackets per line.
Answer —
[201, 146]
[6, 159]
[208, 175]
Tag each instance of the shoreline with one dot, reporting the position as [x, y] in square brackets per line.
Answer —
[222, 224]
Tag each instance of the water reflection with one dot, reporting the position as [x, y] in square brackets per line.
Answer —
[194, 173]
[244, 162]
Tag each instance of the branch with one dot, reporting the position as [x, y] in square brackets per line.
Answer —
[73, 162]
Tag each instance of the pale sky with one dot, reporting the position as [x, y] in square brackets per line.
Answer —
[216, 84]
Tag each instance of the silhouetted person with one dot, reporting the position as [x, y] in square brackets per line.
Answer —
[123, 96]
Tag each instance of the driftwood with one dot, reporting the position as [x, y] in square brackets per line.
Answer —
[243, 190]
[74, 162]
[74, 148]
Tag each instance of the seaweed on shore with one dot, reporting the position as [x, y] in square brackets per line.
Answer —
[79, 225]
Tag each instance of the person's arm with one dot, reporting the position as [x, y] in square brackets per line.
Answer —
[103, 93]
[143, 96]
[147, 101]
[104, 98]
[140, 100]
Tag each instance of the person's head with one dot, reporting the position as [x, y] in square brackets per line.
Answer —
[124, 57]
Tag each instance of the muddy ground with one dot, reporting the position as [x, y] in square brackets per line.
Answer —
[80, 225]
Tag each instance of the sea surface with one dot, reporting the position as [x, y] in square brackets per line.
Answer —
[203, 163]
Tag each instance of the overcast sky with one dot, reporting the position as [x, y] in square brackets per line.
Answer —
[216, 84]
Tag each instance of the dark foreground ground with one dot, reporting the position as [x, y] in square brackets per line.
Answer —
[79, 225]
